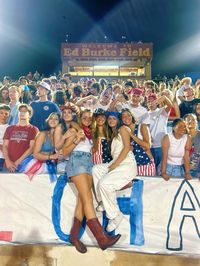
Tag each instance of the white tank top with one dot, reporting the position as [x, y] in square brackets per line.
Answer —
[176, 149]
[84, 146]
[116, 148]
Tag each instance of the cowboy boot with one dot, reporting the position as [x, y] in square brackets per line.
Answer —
[74, 236]
[104, 240]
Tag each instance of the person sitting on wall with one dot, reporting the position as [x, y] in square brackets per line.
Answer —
[108, 178]
[79, 169]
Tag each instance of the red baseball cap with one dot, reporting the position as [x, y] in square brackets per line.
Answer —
[136, 91]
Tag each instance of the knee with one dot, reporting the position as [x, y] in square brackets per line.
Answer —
[86, 198]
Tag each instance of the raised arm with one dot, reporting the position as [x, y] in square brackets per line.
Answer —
[176, 110]
[85, 99]
[166, 101]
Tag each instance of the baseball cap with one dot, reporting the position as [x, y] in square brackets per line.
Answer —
[45, 85]
[137, 91]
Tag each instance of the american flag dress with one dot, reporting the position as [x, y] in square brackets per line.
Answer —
[145, 165]
[103, 153]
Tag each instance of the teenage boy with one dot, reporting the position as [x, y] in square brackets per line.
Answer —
[19, 139]
[4, 114]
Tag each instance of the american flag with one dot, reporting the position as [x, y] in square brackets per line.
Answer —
[102, 155]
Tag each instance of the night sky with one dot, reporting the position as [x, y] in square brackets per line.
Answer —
[31, 31]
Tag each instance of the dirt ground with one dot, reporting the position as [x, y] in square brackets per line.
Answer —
[36, 255]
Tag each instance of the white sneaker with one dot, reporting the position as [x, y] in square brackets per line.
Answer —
[100, 207]
[114, 223]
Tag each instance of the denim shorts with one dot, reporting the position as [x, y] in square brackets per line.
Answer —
[173, 170]
[79, 162]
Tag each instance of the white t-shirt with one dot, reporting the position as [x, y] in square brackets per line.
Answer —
[2, 131]
[140, 112]
[158, 126]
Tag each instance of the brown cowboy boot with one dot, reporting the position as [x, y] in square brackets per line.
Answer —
[74, 236]
[102, 238]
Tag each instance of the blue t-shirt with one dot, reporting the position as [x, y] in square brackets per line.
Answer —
[41, 111]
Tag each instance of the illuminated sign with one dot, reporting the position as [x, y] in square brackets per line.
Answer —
[110, 50]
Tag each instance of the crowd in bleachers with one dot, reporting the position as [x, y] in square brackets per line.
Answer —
[101, 134]
[153, 106]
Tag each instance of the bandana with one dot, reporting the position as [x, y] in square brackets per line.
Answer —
[87, 132]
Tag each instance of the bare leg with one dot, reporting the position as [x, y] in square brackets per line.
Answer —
[79, 211]
[83, 183]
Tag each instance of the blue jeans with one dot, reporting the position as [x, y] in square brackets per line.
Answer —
[1, 163]
[173, 170]
[157, 155]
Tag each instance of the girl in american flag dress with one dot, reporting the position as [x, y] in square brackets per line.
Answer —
[141, 143]
[101, 152]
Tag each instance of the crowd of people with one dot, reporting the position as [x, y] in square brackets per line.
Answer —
[102, 134]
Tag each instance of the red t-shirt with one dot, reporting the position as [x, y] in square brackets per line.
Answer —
[19, 139]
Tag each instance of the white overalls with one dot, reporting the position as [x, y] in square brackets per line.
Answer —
[107, 183]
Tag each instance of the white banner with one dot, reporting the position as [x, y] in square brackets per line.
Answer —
[159, 216]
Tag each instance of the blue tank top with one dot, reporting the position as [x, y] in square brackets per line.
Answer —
[47, 145]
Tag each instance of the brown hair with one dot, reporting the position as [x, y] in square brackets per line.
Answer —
[95, 134]
[28, 107]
